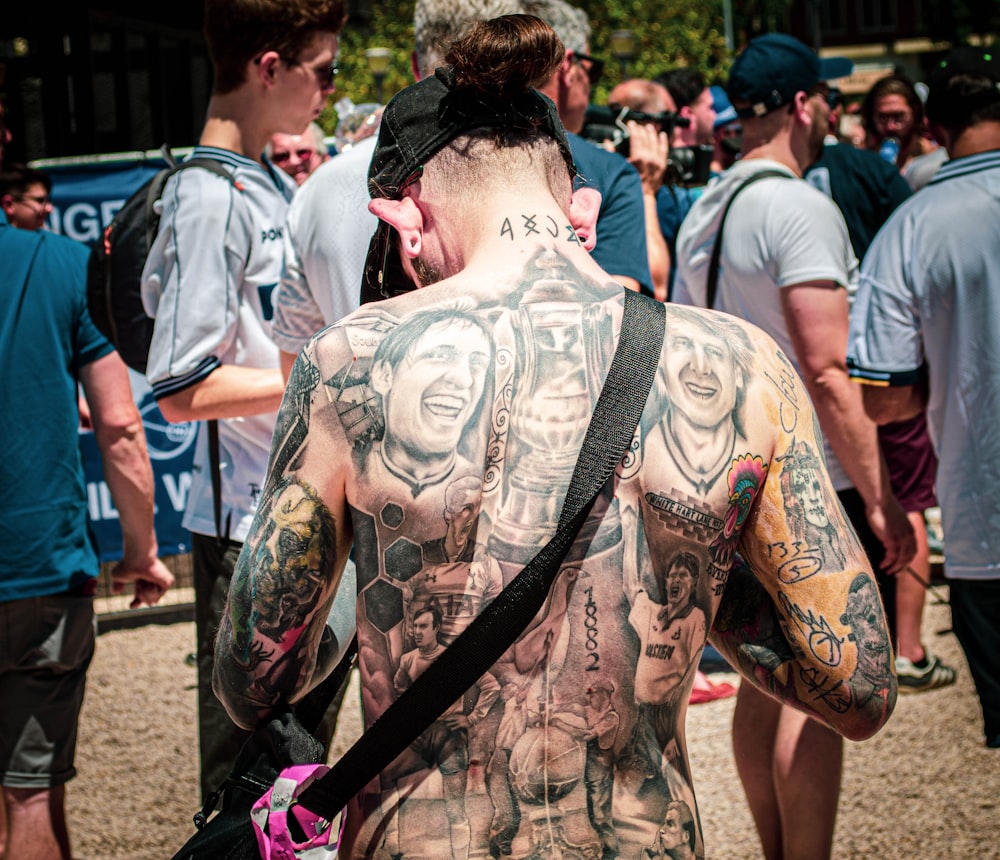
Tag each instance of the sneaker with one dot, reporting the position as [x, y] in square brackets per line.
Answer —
[918, 680]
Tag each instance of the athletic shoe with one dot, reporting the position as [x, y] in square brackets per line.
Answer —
[913, 679]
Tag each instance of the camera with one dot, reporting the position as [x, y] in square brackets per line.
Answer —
[608, 122]
[689, 165]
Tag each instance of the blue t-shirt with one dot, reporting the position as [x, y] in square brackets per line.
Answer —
[46, 336]
[673, 202]
[621, 232]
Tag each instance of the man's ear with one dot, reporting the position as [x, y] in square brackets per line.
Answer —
[565, 67]
[415, 65]
[7, 203]
[584, 206]
[804, 112]
[265, 67]
[406, 218]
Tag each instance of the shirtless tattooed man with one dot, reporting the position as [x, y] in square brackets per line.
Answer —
[436, 433]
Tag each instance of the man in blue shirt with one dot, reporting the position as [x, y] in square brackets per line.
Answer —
[48, 562]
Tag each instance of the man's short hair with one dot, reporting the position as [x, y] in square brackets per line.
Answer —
[684, 84]
[569, 22]
[964, 89]
[640, 95]
[438, 23]
[772, 68]
[315, 132]
[16, 179]
[238, 31]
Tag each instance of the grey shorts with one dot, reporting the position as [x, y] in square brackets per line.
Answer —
[46, 644]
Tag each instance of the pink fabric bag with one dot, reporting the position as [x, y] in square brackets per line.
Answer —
[270, 819]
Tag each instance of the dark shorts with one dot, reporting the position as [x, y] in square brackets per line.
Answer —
[912, 463]
[46, 644]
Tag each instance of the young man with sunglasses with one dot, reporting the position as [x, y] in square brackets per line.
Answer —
[787, 266]
[208, 282]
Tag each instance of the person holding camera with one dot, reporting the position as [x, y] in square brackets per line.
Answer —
[639, 115]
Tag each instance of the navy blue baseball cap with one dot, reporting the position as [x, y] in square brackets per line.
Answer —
[773, 68]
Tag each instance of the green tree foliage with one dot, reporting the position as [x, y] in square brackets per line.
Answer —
[668, 34]
[671, 34]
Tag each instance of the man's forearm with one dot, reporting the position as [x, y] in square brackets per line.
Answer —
[852, 435]
[129, 477]
[228, 391]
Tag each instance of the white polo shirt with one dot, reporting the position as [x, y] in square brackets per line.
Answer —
[929, 300]
[326, 242]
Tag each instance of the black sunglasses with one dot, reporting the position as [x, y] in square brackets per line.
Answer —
[324, 76]
[831, 95]
[591, 65]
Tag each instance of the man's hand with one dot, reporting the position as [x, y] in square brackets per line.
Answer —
[152, 581]
[892, 527]
[649, 150]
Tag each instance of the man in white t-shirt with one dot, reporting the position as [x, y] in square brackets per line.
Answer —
[786, 265]
[924, 338]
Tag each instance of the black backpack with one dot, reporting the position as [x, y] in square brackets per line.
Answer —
[117, 259]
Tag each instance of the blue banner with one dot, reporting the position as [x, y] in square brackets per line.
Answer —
[85, 197]
[86, 193]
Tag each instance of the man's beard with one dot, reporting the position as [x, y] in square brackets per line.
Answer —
[426, 274]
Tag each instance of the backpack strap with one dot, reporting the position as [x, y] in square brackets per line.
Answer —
[713, 266]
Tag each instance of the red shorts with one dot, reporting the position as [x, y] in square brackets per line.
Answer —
[912, 463]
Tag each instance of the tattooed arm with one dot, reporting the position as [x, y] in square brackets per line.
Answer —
[270, 643]
[801, 615]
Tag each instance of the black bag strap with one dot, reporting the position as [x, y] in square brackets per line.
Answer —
[713, 266]
[496, 628]
[215, 466]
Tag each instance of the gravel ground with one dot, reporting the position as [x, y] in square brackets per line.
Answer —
[925, 786]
